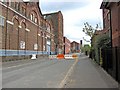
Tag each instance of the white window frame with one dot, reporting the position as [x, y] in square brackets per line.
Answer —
[36, 46]
[22, 45]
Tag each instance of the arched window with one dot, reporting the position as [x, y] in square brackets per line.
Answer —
[23, 11]
[33, 17]
[17, 5]
[35, 20]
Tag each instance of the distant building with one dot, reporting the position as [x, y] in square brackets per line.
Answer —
[57, 22]
[75, 47]
[66, 45]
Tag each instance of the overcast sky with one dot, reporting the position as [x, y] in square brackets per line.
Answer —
[75, 13]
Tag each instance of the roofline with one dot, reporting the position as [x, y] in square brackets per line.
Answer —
[51, 13]
[105, 5]
[75, 42]
[39, 8]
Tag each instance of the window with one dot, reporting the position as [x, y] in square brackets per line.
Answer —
[35, 20]
[35, 46]
[9, 2]
[108, 16]
[48, 28]
[4, 1]
[17, 6]
[1, 21]
[23, 11]
[22, 45]
[12, 4]
[31, 16]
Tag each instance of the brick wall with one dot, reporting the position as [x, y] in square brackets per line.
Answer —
[21, 34]
[67, 46]
[114, 14]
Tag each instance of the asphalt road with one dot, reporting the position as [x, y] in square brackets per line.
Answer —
[45, 73]
[42, 73]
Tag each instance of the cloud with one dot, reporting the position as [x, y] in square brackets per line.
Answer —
[75, 14]
[63, 6]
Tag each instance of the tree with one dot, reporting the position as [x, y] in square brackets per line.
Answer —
[89, 30]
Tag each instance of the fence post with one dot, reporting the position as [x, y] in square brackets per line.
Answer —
[116, 52]
[119, 68]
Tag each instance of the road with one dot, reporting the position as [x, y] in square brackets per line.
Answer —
[35, 73]
[45, 73]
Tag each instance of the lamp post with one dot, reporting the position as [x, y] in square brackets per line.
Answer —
[64, 47]
[56, 49]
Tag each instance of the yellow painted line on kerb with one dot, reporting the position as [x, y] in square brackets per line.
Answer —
[63, 82]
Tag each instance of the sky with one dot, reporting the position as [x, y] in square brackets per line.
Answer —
[75, 14]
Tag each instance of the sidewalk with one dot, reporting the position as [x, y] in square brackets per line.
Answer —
[87, 74]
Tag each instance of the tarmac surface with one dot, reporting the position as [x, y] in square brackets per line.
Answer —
[44, 73]
[87, 74]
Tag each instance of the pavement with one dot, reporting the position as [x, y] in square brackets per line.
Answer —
[87, 74]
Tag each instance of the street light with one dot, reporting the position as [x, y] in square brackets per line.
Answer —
[56, 49]
[64, 47]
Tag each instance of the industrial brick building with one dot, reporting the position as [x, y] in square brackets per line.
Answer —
[57, 21]
[67, 45]
[24, 31]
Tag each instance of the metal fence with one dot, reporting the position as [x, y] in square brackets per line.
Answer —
[111, 62]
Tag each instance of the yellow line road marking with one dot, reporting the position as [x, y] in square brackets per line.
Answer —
[62, 83]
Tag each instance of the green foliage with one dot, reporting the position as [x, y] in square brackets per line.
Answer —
[100, 42]
[86, 47]
[103, 41]
[89, 30]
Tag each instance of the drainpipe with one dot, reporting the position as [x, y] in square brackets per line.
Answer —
[110, 27]
[6, 30]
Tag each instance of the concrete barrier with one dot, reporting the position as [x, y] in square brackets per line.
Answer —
[68, 57]
[52, 57]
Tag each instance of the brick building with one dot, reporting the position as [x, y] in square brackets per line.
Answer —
[75, 47]
[113, 14]
[24, 30]
[57, 22]
[67, 47]
[111, 20]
